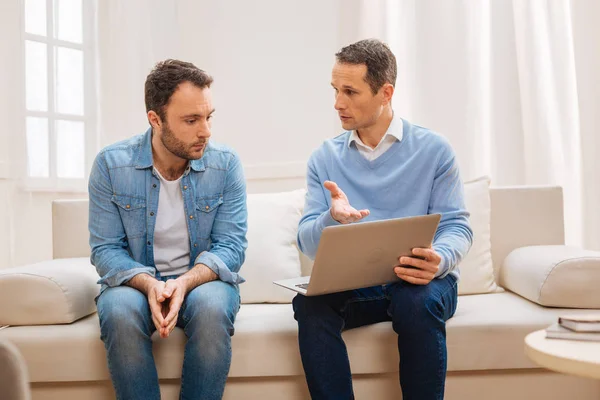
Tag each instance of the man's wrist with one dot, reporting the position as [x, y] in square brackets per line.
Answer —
[142, 282]
[197, 276]
[186, 282]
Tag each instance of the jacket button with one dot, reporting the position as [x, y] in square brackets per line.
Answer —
[185, 188]
[152, 214]
[149, 243]
[207, 207]
[128, 206]
[191, 217]
[195, 245]
[154, 185]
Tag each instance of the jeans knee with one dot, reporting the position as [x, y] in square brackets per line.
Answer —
[304, 308]
[314, 310]
[416, 310]
[210, 311]
[213, 320]
[123, 312]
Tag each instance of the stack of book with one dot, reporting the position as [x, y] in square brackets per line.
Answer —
[576, 327]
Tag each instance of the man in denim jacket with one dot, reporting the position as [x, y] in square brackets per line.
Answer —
[168, 223]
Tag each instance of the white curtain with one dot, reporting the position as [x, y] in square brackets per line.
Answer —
[513, 85]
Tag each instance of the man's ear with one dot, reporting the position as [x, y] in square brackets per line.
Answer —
[387, 91]
[154, 119]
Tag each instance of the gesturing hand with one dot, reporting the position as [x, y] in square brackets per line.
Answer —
[341, 210]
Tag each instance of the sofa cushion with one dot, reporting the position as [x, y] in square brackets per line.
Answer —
[486, 333]
[272, 253]
[476, 269]
[51, 292]
[554, 276]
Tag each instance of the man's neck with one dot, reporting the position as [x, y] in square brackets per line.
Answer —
[168, 164]
[371, 136]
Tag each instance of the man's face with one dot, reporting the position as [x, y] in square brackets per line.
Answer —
[186, 128]
[355, 103]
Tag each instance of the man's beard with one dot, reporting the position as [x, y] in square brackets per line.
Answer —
[176, 146]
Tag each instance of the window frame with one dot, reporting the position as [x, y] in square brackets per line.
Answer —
[53, 183]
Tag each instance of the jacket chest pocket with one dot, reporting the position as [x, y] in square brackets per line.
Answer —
[207, 210]
[133, 214]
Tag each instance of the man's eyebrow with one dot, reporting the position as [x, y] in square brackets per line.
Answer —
[345, 87]
[196, 115]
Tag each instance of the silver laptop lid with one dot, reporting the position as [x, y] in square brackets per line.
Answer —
[364, 254]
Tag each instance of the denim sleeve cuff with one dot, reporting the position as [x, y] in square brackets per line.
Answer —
[123, 276]
[217, 265]
[324, 220]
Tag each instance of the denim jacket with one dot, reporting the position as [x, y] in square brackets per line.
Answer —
[123, 191]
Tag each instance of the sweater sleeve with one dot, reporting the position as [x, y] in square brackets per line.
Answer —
[317, 214]
[454, 236]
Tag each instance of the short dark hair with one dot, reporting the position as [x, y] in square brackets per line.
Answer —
[164, 79]
[377, 56]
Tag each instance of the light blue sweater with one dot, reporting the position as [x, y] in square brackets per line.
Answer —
[416, 176]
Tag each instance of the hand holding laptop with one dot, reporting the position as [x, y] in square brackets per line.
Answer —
[421, 269]
[341, 210]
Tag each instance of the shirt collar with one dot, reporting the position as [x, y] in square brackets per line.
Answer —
[395, 130]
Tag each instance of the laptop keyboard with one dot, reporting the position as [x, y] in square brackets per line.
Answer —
[302, 286]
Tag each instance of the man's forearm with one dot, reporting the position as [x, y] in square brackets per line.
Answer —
[141, 282]
[197, 276]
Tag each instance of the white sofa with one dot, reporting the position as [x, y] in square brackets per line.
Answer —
[485, 337]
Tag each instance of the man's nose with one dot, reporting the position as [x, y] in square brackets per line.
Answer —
[339, 103]
[204, 131]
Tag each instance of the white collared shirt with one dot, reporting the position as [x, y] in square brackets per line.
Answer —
[393, 134]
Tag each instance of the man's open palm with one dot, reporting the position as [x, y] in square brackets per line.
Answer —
[341, 210]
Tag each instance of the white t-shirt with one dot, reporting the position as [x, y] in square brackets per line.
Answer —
[171, 236]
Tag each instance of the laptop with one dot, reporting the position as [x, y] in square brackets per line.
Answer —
[363, 254]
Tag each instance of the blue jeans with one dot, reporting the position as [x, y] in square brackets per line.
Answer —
[206, 316]
[418, 315]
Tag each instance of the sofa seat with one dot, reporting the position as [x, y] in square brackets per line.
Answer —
[485, 334]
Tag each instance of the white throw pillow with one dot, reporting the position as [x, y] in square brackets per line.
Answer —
[272, 252]
[476, 269]
[554, 276]
[50, 292]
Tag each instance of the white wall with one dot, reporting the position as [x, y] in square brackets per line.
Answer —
[10, 105]
[5, 230]
[271, 61]
[10, 114]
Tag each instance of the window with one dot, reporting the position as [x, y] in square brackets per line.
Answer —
[60, 102]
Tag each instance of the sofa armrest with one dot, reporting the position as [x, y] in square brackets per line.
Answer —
[51, 292]
[554, 276]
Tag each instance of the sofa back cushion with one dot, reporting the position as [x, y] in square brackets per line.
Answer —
[476, 269]
[272, 253]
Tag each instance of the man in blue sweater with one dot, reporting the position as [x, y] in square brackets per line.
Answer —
[382, 167]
